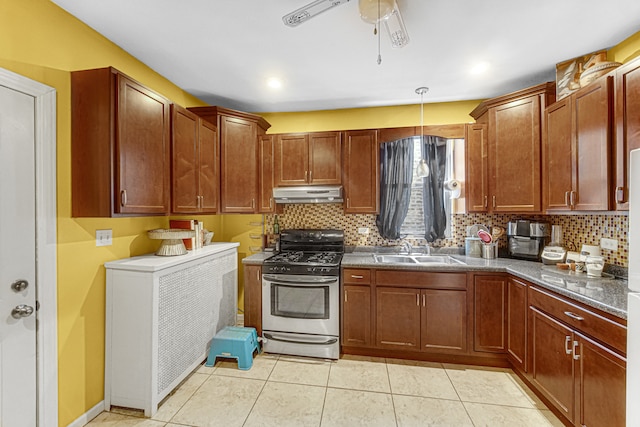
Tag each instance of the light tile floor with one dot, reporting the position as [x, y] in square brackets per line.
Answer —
[353, 391]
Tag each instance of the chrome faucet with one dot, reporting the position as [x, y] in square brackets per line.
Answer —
[406, 247]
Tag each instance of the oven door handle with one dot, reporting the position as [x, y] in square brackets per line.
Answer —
[299, 280]
[276, 338]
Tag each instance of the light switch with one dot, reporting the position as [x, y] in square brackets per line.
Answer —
[103, 237]
[611, 244]
[363, 230]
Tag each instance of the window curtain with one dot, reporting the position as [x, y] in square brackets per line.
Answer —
[434, 152]
[396, 177]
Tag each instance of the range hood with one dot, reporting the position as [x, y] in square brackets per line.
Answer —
[308, 194]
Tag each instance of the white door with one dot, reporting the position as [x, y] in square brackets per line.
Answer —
[17, 259]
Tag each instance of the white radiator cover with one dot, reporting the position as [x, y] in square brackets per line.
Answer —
[161, 315]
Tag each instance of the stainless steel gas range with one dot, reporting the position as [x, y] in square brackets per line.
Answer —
[300, 294]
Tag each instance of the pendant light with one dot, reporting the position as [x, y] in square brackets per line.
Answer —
[423, 169]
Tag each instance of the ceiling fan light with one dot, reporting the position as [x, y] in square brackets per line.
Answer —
[396, 29]
[369, 11]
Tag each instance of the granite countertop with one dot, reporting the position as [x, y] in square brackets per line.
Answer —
[604, 293]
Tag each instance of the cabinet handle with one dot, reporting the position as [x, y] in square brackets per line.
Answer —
[573, 315]
[566, 198]
[253, 203]
[567, 341]
[486, 202]
[573, 199]
[424, 300]
[620, 195]
[353, 276]
[348, 203]
[123, 198]
[576, 356]
[345, 296]
[494, 201]
[310, 176]
[418, 300]
[270, 203]
[395, 343]
[306, 173]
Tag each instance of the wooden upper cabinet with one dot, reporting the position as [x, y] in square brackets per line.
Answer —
[120, 146]
[557, 155]
[361, 181]
[477, 168]
[325, 158]
[238, 133]
[577, 146]
[514, 125]
[265, 196]
[194, 165]
[515, 151]
[308, 159]
[627, 127]
[592, 146]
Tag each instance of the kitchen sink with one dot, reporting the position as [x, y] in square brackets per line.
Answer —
[415, 259]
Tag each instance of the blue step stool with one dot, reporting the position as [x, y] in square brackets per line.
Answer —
[234, 342]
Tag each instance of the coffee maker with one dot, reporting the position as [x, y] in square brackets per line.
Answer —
[526, 239]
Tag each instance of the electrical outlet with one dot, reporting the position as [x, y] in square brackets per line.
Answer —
[611, 244]
[363, 230]
[103, 237]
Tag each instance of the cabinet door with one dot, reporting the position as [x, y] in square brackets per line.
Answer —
[361, 171]
[552, 367]
[477, 168]
[398, 318]
[444, 321]
[592, 146]
[325, 167]
[557, 163]
[253, 297]
[239, 165]
[514, 150]
[209, 181]
[489, 297]
[185, 161]
[601, 385]
[627, 116]
[266, 204]
[356, 316]
[143, 156]
[517, 323]
[292, 159]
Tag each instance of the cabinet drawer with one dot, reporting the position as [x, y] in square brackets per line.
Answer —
[353, 275]
[608, 331]
[421, 279]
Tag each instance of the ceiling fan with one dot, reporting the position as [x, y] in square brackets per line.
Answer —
[371, 11]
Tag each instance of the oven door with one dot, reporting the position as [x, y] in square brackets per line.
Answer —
[300, 304]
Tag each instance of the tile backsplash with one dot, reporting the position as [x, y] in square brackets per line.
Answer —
[577, 229]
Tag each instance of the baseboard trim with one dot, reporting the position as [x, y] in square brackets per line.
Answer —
[84, 419]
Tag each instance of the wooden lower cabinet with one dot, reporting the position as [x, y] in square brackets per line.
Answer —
[356, 315]
[253, 297]
[516, 317]
[444, 321]
[582, 378]
[489, 326]
[432, 320]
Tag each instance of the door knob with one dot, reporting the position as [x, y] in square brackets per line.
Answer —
[22, 310]
[19, 285]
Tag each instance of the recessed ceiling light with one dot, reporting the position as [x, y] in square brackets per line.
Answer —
[274, 83]
[479, 68]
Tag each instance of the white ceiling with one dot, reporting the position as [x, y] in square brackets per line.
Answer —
[223, 51]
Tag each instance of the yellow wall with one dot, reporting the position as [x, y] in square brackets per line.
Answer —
[43, 42]
[626, 50]
[367, 118]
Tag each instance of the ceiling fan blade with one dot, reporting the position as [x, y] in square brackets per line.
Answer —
[397, 31]
[314, 8]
